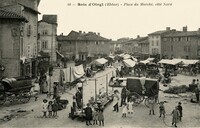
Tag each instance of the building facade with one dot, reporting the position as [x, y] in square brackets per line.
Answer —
[182, 44]
[10, 42]
[47, 40]
[81, 45]
[27, 33]
[155, 41]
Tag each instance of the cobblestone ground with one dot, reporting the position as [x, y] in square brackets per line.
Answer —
[140, 118]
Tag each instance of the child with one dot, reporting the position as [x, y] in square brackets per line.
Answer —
[124, 110]
[175, 115]
[180, 110]
[151, 105]
[130, 106]
[44, 107]
[50, 109]
[95, 116]
[162, 109]
[55, 108]
[100, 115]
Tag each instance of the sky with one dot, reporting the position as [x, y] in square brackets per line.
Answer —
[114, 22]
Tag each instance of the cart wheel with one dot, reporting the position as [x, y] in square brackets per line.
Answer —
[146, 102]
[2, 98]
[137, 99]
[25, 97]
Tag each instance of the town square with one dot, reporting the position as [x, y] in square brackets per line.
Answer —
[111, 64]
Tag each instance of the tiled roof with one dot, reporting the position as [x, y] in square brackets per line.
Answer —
[181, 34]
[137, 40]
[11, 15]
[52, 19]
[30, 8]
[73, 35]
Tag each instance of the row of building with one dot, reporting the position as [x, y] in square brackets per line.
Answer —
[168, 43]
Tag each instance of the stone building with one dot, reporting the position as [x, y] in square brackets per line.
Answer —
[27, 35]
[155, 42]
[116, 46]
[81, 45]
[10, 42]
[181, 44]
[47, 41]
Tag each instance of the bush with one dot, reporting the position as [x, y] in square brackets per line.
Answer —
[177, 89]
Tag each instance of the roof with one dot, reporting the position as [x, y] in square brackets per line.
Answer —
[73, 35]
[158, 32]
[129, 63]
[138, 40]
[11, 15]
[181, 34]
[51, 19]
[30, 8]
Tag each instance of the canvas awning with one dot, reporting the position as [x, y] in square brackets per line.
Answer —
[129, 63]
[144, 61]
[171, 62]
[150, 59]
[101, 61]
[188, 62]
[78, 71]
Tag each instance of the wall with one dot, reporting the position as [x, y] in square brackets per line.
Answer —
[50, 37]
[154, 43]
[10, 47]
[181, 48]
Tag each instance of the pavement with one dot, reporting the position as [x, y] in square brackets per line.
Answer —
[32, 117]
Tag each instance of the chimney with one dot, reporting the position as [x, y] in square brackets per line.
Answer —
[80, 32]
[185, 29]
[138, 36]
[83, 32]
[199, 29]
[167, 28]
[98, 34]
[173, 30]
[61, 34]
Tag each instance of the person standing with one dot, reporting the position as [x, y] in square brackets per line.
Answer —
[130, 106]
[45, 107]
[55, 90]
[151, 105]
[100, 115]
[79, 99]
[180, 108]
[116, 101]
[196, 91]
[55, 109]
[88, 114]
[162, 109]
[175, 115]
[124, 110]
[123, 96]
[50, 109]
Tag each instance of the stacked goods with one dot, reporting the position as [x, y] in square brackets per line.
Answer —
[177, 89]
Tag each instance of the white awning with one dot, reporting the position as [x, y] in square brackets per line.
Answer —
[144, 61]
[171, 62]
[187, 62]
[150, 59]
[101, 61]
[129, 63]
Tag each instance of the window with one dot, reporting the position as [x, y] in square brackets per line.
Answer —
[44, 44]
[45, 32]
[187, 38]
[198, 52]
[157, 43]
[96, 42]
[152, 43]
[172, 48]
[102, 43]
[29, 30]
[179, 39]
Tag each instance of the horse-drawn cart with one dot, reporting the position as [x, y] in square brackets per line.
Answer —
[15, 89]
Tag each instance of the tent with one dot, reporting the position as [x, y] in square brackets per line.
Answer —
[188, 62]
[150, 59]
[171, 62]
[78, 71]
[101, 61]
[144, 61]
[129, 63]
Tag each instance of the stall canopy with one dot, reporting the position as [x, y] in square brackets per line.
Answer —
[150, 59]
[133, 58]
[78, 71]
[171, 62]
[144, 61]
[101, 61]
[129, 63]
[188, 62]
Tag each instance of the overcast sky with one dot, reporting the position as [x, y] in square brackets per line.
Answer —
[117, 22]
